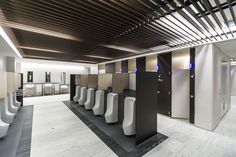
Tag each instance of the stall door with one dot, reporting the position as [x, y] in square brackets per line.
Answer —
[164, 84]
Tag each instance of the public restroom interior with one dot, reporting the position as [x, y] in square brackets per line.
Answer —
[118, 78]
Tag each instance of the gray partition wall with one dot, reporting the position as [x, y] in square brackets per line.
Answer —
[146, 105]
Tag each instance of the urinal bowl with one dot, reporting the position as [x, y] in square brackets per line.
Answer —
[3, 129]
[77, 94]
[11, 107]
[111, 115]
[89, 104]
[83, 96]
[129, 116]
[98, 108]
[6, 116]
[15, 102]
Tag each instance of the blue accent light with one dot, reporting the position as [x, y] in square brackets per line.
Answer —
[158, 68]
[136, 69]
[190, 66]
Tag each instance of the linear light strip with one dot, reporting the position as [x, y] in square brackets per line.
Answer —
[9, 42]
[101, 57]
[39, 49]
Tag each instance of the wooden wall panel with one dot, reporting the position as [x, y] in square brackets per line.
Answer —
[93, 81]
[151, 63]
[19, 80]
[120, 82]
[181, 59]
[118, 67]
[132, 81]
[77, 79]
[132, 65]
[84, 80]
[104, 81]
[16, 78]
[101, 68]
[3, 84]
[10, 82]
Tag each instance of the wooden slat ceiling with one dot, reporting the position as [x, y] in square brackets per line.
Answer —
[101, 30]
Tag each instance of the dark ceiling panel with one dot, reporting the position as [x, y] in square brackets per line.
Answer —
[30, 39]
[130, 27]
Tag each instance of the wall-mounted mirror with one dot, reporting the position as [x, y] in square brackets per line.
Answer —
[47, 76]
[30, 76]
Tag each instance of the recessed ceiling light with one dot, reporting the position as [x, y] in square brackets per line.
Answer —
[85, 61]
[42, 57]
[95, 56]
[39, 49]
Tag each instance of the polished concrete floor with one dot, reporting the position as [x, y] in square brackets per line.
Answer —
[186, 140]
[58, 132]
[46, 99]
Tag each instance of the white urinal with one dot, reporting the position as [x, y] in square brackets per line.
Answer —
[83, 96]
[129, 116]
[11, 107]
[98, 108]
[77, 94]
[15, 102]
[89, 104]
[3, 126]
[6, 116]
[111, 114]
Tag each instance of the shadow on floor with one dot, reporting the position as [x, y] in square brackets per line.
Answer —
[112, 135]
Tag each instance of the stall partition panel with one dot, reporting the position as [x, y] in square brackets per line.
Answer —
[192, 85]
[146, 108]
[124, 66]
[141, 64]
[110, 68]
[164, 84]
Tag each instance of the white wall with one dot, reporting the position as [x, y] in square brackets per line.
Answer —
[3, 63]
[221, 89]
[40, 67]
[212, 86]
[233, 80]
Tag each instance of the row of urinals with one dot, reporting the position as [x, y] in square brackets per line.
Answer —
[8, 109]
[86, 97]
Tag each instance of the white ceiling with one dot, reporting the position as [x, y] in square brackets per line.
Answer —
[5, 49]
[228, 47]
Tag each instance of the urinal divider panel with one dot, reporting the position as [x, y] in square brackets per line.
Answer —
[72, 86]
[146, 106]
